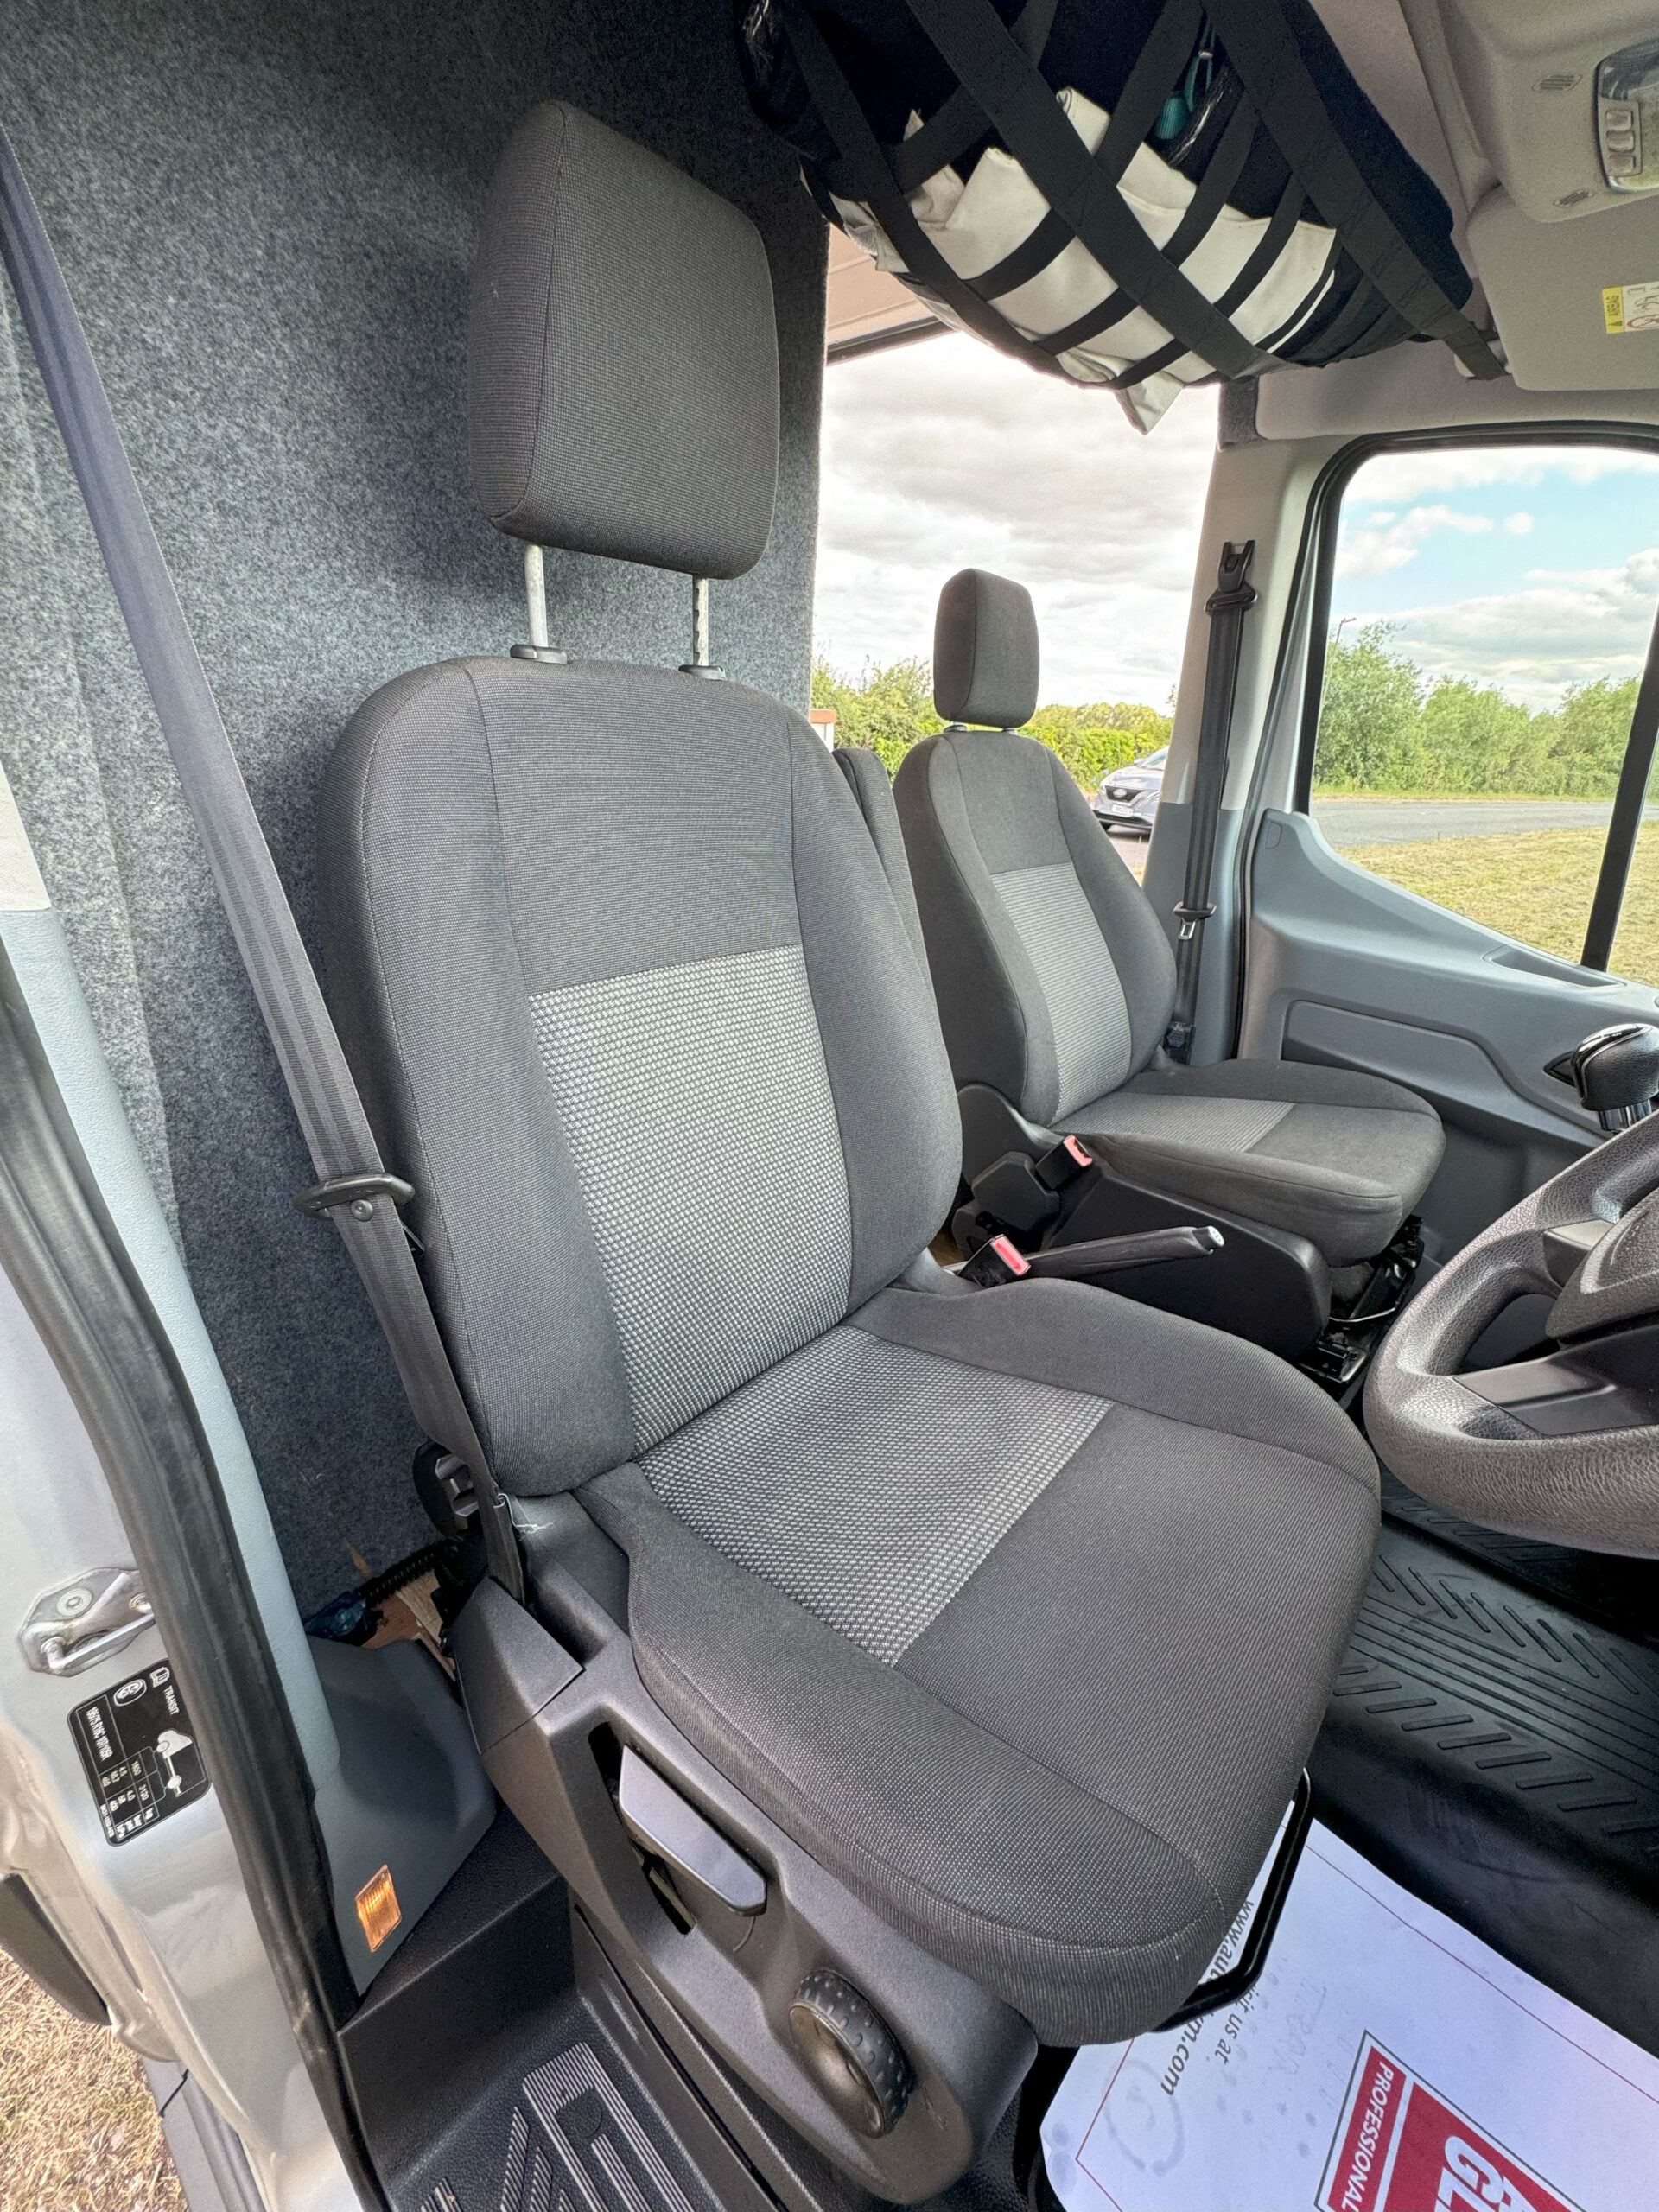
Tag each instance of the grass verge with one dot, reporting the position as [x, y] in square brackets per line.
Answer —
[78, 2131]
[1535, 885]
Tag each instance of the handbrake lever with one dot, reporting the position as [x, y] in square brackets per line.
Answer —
[999, 1262]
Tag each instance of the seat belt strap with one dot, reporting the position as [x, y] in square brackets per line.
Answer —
[1226, 607]
[353, 1185]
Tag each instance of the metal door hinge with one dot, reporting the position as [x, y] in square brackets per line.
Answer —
[84, 1621]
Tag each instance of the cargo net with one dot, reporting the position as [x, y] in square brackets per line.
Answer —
[1132, 195]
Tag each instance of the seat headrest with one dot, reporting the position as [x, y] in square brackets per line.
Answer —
[622, 362]
[985, 657]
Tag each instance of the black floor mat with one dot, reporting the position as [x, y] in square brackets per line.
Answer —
[498, 2065]
[1499, 1755]
[576, 2131]
[1621, 1595]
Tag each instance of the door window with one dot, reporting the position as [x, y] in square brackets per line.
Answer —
[1490, 614]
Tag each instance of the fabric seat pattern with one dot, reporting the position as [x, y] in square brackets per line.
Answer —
[1337, 1157]
[944, 1591]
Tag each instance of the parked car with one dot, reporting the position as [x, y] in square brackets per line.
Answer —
[1128, 797]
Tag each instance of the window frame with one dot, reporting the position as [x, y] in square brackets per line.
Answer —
[1636, 769]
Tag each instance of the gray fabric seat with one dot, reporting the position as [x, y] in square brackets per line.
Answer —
[1055, 982]
[1005, 1606]
[1018, 1609]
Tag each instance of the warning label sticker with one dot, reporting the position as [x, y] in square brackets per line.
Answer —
[1400, 2146]
[1631, 307]
[140, 1756]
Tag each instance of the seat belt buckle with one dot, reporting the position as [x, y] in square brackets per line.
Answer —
[997, 1261]
[1064, 1163]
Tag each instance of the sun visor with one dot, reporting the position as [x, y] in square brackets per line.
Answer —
[1139, 194]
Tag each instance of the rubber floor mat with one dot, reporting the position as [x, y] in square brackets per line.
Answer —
[1386, 2062]
[575, 2139]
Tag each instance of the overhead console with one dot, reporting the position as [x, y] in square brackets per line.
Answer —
[1552, 117]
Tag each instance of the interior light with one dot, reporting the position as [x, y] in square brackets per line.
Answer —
[1627, 116]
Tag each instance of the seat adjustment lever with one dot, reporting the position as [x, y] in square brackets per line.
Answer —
[657, 1815]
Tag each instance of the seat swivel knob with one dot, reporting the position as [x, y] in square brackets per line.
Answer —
[853, 2054]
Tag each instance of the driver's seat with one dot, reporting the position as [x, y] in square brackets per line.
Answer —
[1016, 1610]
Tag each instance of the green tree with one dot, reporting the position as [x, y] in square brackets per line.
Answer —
[1092, 740]
[1594, 725]
[1471, 738]
[1384, 727]
[1367, 717]
[891, 708]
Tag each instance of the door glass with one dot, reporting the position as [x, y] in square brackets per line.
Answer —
[1489, 616]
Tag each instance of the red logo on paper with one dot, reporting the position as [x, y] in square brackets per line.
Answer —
[1400, 2147]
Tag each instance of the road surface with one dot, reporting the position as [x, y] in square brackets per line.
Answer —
[1408, 821]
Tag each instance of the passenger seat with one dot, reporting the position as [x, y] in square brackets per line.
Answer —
[1055, 982]
[965, 1645]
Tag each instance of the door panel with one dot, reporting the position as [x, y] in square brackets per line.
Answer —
[1346, 969]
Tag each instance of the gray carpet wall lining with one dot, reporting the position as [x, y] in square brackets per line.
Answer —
[266, 213]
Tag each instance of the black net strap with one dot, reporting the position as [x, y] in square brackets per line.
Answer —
[1306, 306]
[1157, 67]
[1364, 316]
[1268, 249]
[1206, 204]
[1000, 89]
[1079, 188]
[1270, 66]
[951, 129]
[862, 173]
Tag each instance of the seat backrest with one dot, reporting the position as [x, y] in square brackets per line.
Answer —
[621, 971]
[1054, 981]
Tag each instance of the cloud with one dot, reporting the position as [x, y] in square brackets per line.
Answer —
[1399, 478]
[1519, 524]
[1385, 541]
[1563, 626]
[948, 455]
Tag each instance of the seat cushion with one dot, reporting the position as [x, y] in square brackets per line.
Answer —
[1018, 1609]
[1340, 1158]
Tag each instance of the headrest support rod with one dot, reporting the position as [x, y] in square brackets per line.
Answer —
[699, 664]
[536, 594]
[536, 602]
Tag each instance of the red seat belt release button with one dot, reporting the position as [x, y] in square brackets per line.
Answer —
[1014, 1259]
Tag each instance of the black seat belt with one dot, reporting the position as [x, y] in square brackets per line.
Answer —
[353, 1187]
[1226, 607]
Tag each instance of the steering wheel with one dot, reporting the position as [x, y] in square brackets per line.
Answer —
[1564, 1447]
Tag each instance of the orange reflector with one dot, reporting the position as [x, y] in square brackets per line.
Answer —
[377, 1908]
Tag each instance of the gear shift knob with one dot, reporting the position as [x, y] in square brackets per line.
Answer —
[1615, 1072]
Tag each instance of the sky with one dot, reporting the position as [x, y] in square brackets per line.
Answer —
[947, 454]
[1526, 567]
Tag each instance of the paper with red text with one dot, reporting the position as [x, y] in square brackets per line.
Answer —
[1386, 2062]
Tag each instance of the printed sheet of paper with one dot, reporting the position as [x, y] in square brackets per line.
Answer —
[1386, 2062]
